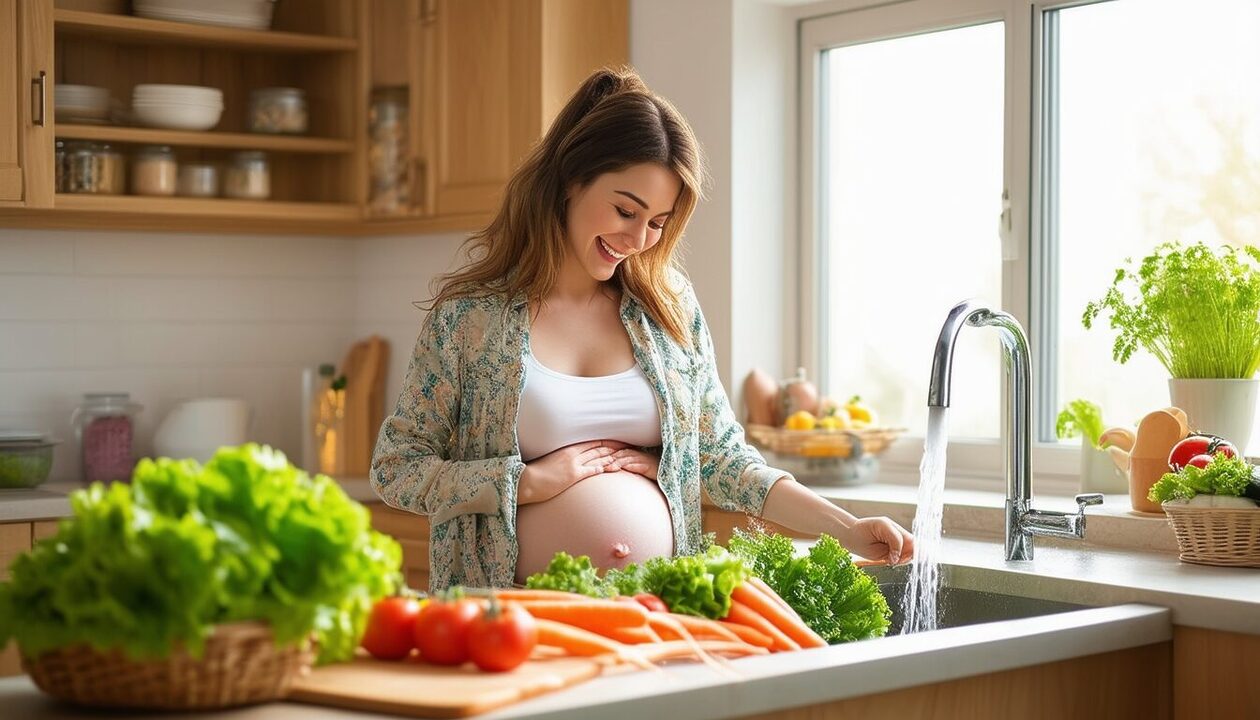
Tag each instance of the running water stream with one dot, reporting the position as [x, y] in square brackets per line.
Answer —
[918, 606]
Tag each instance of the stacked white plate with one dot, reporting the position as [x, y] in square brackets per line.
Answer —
[80, 103]
[250, 14]
[177, 107]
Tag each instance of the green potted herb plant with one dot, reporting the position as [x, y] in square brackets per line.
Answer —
[1197, 310]
[1098, 472]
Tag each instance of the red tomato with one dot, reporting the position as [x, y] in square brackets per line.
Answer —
[1195, 445]
[442, 631]
[502, 637]
[391, 628]
[651, 602]
[1200, 461]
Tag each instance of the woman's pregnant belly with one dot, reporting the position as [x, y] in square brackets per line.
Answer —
[616, 518]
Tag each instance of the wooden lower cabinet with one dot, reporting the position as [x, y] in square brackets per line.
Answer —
[412, 533]
[1133, 683]
[1215, 674]
[15, 539]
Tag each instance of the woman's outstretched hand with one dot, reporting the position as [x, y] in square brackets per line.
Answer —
[879, 538]
[553, 473]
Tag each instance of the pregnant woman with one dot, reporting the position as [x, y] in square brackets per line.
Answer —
[563, 393]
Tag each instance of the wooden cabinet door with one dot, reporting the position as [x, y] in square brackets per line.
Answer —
[26, 123]
[483, 98]
[15, 539]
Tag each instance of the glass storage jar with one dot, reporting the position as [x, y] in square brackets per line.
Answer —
[94, 168]
[198, 179]
[248, 177]
[154, 171]
[388, 151]
[104, 426]
[277, 110]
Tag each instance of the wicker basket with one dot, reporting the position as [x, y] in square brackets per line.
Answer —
[241, 665]
[1216, 536]
[823, 443]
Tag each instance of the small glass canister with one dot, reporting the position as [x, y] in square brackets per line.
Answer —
[248, 177]
[94, 168]
[198, 179]
[104, 425]
[388, 151]
[154, 171]
[277, 110]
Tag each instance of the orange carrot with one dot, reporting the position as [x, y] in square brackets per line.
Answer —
[666, 620]
[632, 635]
[770, 593]
[704, 628]
[528, 594]
[744, 615]
[584, 643]
[677, 648]
[790, 625]
[747, 634]
[593, 615]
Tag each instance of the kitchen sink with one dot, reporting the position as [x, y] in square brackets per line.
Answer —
[959, 603]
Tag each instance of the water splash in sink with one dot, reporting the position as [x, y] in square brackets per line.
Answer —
[918, 605]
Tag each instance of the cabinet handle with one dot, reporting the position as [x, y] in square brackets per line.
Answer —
[39, 97]
[428, 11]
[420, 185]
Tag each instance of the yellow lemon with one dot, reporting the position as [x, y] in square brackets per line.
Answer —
[801, 420]
[838, 420]
[860, 412]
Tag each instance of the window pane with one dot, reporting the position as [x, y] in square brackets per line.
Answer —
[913, 185]
[1159, 136]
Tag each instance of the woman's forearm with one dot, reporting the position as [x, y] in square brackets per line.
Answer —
[798, 508]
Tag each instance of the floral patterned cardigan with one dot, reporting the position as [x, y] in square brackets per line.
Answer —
[450, 450]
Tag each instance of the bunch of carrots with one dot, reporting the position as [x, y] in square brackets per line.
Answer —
[626, 632]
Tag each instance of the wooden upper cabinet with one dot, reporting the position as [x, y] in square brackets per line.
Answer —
[26, 122]
[501, 69]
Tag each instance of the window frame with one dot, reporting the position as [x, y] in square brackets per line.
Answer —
[1026, 234]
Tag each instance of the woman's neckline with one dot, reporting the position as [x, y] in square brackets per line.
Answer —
[580, 378]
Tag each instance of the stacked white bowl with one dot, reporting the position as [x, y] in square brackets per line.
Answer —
[177, 107]
[80, 103]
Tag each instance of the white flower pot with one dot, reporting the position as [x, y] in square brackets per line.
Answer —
[1220, 406]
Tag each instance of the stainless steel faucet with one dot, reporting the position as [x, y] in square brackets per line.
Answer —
[1022, 522]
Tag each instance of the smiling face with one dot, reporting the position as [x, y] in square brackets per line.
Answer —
[618, 215]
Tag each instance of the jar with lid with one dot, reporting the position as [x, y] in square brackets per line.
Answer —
[198, 179]
[388, 151]
[104, 424]
[154, 171]
[248, 177]
[277, 110]
[94, 168]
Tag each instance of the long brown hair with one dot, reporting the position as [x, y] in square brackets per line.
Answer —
[612, 122]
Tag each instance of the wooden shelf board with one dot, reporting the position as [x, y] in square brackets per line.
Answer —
[207, 207]
[243, 141]
[145, 30]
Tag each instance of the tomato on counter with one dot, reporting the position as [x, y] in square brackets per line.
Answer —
[391, 628]
[441, 630]
[502, 636]
[651, 602]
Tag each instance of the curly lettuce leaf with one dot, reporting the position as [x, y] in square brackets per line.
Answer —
[156, 564]
[1223, 476]
[698, 585]
[571, 574]
[831, 594]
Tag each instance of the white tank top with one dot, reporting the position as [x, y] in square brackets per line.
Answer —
[558, 410]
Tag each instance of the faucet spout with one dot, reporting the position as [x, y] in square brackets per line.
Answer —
[1022, 522]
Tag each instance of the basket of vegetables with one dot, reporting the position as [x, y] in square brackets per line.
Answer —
[196, 587]
[1211, 500]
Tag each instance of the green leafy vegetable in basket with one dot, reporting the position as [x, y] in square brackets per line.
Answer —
[157, 564]
[831, 594]
[1225, 475]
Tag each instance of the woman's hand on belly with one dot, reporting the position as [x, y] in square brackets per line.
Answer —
[558, 470]
[635, 461]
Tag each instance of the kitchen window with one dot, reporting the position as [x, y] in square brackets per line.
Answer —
[1016, 152]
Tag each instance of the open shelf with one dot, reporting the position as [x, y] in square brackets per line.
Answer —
[99, 25]
[190, 138]
[208, 207]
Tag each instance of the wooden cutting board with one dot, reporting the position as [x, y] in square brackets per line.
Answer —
[416, 689]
